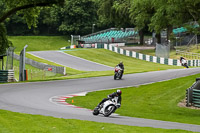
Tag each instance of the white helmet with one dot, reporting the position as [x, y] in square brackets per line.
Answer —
[119, 92]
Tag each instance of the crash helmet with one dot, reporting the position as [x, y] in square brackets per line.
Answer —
[119, 92]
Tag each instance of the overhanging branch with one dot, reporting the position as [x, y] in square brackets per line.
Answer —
[14, 10]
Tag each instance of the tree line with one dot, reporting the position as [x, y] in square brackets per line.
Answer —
[66, 17]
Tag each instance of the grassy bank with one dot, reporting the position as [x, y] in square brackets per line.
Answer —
[154, 101]
[39, 43]
[34, 73]
[144, 101]
[11, 122]
[105, 57]
[132, 65]
[173, 55]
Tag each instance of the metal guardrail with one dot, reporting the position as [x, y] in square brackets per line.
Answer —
[196, 98]
[7, 76]
[193, 94]
[42, 66]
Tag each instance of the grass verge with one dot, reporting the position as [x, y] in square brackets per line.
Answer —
[39, 43]
[154, 101]
[132, 65]
[11, 122]
[105, 57]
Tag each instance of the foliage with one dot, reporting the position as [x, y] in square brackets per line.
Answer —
[28, 8]
[141, 12]
[78, 16]
[73, 17]
[114, 12]
[174, 12]
[4, 43]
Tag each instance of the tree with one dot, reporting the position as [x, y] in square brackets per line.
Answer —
[141, 12]
[114, 13]
[163, 14]
[77, 16]
[28, 8]
[4, 43]
[173, 13]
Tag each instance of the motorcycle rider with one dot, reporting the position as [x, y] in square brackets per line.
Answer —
[114, 94]
[121, 65]
[183, 62]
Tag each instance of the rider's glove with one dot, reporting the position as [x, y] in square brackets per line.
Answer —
[118, 105]
[109, 97]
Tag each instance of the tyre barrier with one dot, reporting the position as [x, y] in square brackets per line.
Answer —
[196, 98]
[7, 76]
[193, 94]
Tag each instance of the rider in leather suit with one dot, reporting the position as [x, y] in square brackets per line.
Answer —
[114, 94]
[121, 65]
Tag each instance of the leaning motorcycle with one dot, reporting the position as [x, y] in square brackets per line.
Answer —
[184, 63]
[107, 108]
[118, 73]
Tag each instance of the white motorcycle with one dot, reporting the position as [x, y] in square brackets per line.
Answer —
[184, 63]
[107, 108]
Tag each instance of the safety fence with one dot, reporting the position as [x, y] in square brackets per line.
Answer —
[188, 54]
[43, 66]
[193, 94]
[7, 76]
[149, 58]
[196, 97]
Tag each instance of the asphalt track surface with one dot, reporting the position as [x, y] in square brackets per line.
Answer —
[67, 60]
[34, 97]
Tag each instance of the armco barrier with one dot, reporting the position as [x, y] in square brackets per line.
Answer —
[150, 58]
[193, 94]
[196, 97]
[42, 66]
[7, 76]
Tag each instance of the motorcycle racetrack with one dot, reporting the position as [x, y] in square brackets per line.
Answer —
[44, 98]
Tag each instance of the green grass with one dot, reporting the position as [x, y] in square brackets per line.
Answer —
[132, 65]
[23, 123]
[106, 57]
[173, 55]
[69, 71]
[11, 122]
[153, 53]
[39, 43]
[154, 101]
[34, 74]
[98, 55]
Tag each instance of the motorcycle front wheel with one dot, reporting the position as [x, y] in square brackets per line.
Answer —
[95, 111]
[109, 110]
[115, 76]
